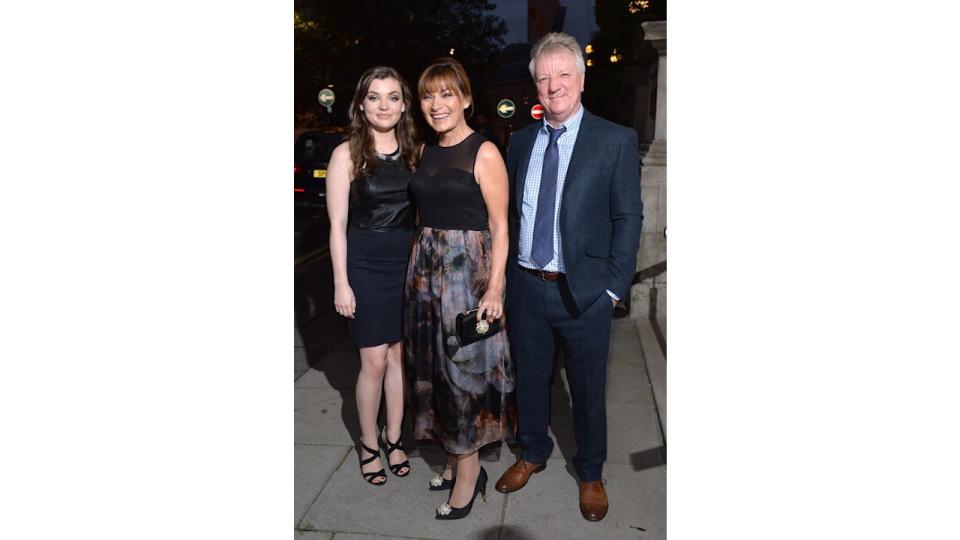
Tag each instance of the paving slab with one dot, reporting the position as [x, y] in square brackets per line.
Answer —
[630, 431]
[337, 368]
[350, 505]
[314, 378]
[313, 535]
[624, 343]
[300, 362]
[627, 383]
[337, 504]
[548, 507]
[297, 339]
[347, 536]
[305, 397]
[324, 418]
[626, 377]
[655, 363]
[313, 466]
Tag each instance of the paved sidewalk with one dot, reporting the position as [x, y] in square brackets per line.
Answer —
[333, 501]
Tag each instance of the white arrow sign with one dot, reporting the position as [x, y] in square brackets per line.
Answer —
[505, 108]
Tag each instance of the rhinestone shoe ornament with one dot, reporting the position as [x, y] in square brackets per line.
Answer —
[436, 481]
[444, 509]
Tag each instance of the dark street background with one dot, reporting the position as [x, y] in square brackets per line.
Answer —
[335, 42]
[318, 327]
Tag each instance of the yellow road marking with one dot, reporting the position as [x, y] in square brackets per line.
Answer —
[315, 254]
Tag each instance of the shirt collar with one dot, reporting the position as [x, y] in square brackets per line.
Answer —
[572, 124]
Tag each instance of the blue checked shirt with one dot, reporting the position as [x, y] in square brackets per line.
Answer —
[531, 189]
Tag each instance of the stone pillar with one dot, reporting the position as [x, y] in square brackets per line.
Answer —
[656, 33]
[648, 298]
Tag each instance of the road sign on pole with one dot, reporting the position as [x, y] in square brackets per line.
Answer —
[536, 111]
[326, 98]
[506, 108]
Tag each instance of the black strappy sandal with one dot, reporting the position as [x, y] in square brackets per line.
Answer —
[391, 447]
[371, 476]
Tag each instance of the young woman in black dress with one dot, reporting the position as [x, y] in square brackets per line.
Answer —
[462, 396]
[371, 225]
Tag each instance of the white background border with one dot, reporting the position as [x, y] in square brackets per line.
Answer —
[147, 286]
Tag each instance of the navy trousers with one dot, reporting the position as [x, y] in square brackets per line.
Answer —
[542, 316]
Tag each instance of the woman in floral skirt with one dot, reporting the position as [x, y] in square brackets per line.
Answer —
[462, 396]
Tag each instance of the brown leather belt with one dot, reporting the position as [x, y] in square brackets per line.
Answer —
[545, 276]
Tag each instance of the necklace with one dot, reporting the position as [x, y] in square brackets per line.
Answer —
[392, 156]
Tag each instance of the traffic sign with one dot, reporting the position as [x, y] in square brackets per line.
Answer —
[505, 108]
[537, 111]
[326, 98]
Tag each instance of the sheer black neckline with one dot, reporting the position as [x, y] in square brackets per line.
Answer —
[471, 134]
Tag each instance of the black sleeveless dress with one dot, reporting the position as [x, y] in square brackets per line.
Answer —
[379, 231]
[461, 397]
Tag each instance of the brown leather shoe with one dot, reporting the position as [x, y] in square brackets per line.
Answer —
[593, 500]
[517, 475]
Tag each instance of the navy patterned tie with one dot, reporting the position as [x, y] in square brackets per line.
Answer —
[542, 251]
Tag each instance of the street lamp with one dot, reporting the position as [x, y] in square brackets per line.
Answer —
[451, 51]
[636, 5]
[615, 57]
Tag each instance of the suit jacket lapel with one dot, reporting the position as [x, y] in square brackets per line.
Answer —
[573, 181]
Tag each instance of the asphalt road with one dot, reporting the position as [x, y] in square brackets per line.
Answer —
[318, 326]
[311, 230]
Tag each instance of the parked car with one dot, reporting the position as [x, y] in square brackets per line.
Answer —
[312, 152]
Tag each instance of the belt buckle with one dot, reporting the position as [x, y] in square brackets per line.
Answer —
[539, 272]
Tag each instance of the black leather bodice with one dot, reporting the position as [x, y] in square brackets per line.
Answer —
[381, 201]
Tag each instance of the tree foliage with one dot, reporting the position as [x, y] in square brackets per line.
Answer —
[619, 22]
[335, 41]
[609, 92]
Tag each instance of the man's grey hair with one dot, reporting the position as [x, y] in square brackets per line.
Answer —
[557, 42]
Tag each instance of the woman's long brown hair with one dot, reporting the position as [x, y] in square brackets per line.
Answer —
[362, 148]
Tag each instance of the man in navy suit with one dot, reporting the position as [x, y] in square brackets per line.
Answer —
[575, 216]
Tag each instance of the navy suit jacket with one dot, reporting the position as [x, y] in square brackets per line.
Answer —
[601, 212]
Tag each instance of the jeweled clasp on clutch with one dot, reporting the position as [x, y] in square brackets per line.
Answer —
[482, 327]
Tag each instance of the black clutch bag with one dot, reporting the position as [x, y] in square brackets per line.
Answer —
[470, 329]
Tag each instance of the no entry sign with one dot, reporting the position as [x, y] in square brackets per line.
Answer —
[536, 111]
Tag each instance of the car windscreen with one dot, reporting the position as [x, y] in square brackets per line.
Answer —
[312, 149]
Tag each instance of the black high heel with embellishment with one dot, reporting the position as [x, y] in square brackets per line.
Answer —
[448, 512]
[439, 483]
[371, 476]
[392, 447]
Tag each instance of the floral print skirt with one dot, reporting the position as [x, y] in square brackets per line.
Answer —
[462, 397]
